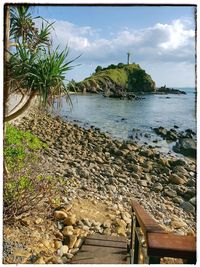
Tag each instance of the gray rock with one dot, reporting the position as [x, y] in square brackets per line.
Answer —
[65, 260]
[188, 207]
[60, 225]
[106, 224]
[69, 255]
[186, 146]
[178, 200]
[86, 228]
[111, 188]
[157, 187]
[176, 179]
[122, 180]
[87, 222]
[63, 250]
[193, 201]
[170, 192]
[143, 183]
[107, 231]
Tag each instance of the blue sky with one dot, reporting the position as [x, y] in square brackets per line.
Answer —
[160, 39]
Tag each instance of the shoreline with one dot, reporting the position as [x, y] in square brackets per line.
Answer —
[120, 127]
[101, 177]
[117, 169]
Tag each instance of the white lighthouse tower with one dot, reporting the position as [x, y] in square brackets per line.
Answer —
[128, 57]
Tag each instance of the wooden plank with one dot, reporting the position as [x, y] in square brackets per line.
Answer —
[100, 255]
[108, 237]
[101, 249]
[146, 222]
[169, 245]
[105, 243]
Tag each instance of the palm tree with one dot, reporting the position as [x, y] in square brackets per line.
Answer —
[33, 68]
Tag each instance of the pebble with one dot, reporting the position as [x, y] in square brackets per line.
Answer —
[107, 224]
[176, 179]
[69, 255]
[60, 225]
[70, 220]
[60, 215]
[121, 231]
[176, 224]
[68, 230]
[157, 187]
[65, 260]
[79, 243]
[193, 201]
[57, 244]
[170, 193]
[87, 222]
[72, 240]
[63, 250]
[143, 183]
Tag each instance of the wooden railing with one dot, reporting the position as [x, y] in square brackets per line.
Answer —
[150, 242]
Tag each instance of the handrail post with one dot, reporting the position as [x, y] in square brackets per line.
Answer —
[158, 243]
[132, 237]
[134, 244]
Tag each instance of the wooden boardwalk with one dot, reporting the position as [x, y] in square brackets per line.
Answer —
[102, 249]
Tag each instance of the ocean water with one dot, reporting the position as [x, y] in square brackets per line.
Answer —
[133, 119]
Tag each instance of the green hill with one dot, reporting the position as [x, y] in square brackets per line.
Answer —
[117, 79]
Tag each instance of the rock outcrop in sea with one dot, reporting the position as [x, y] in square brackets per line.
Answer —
[120, 81]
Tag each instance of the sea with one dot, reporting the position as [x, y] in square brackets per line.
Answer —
[133, 120]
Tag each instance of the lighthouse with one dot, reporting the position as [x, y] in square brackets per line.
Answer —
[128, 58]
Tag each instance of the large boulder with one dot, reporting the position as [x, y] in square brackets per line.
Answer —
[186, 146]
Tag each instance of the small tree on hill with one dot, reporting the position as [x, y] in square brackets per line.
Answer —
[98, 69]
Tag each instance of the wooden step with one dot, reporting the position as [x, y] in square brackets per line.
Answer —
[102, 249]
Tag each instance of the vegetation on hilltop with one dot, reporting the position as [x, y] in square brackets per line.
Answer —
[121, 77]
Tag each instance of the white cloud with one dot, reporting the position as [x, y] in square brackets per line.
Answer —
[157, 42]
[178, 36]
[172, 43]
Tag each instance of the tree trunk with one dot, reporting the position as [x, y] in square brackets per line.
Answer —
[16, 107]
[5, 84]
[6, 56]
[22, 109]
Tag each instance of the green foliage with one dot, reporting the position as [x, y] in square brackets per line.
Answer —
[120, 65]
[130, 77]
[98, 69]
[25, 187]
[33, 66]
[18, 145]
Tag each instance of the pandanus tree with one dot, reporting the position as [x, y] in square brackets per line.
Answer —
[32, 67]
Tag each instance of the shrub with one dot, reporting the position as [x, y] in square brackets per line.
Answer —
[25, 187]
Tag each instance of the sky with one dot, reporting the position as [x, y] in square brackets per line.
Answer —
[161, 39]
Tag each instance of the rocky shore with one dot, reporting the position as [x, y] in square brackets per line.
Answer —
[186, 141]
[104, 175]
